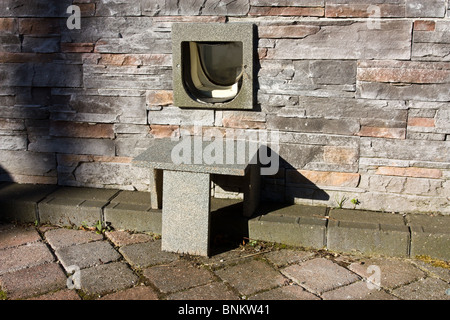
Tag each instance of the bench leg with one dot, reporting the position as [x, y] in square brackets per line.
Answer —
[186, 212]
[252, 190]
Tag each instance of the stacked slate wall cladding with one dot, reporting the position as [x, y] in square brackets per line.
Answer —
[359, 91]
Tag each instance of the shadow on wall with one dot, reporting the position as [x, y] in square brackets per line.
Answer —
[229, 228]
[34, 69]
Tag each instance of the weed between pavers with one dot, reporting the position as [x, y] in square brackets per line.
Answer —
[434, 262]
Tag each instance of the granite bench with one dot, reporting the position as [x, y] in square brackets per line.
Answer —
[183, 188]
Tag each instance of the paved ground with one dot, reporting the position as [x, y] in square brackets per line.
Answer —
[53, 263]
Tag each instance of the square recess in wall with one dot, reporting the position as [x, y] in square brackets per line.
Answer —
[213, 65]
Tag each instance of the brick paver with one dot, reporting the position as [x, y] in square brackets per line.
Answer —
[32, 281]
[251, 276]
[25, 256]
[176, 276]
[62, 237]
[319, 275]
[131, 266]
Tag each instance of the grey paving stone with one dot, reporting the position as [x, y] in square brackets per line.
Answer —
[61, 237]
[368, 238]
[210, 291]
[33, 281]
[142, 255]
[251, 276]
[15, 236]
[141, 218]
[69, 206]
[176, 276]
[87, 254]
[131, 210]
[25, 256]
[291, 230]
[135, 293]
[293, 292]
[319, 275]
[357, 291]
[19, 201]
[106, 278]
[430, 236]
[424, 289]
[394, 272]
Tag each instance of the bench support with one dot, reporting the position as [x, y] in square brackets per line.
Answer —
[185, 212]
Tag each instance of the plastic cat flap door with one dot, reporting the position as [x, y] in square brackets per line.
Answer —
[213, 65]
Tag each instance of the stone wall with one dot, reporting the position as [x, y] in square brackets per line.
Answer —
[359, 90]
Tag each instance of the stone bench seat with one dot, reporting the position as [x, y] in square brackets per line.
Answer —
[183, 188]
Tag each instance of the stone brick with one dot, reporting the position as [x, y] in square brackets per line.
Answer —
[224, 7]
[287, 3]
[319, 275]
[432, 8]
[293, 31]
[424, 25]
[403, 71]
[243, 119]
[323, 178]
[41, 44]
[421, 122]
[410, 172]
[363, 9]
[177, 116]
[392, 133]
[74, 145]
[287, 11]
[32, 163]
[13, 142]
[81, 130]
[39, 8]
[360, 43]
[331, 126]
[77, 47]
[42, 26]
[164, 131]
[159, 98]
[8, 25]
[405, 149]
